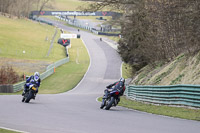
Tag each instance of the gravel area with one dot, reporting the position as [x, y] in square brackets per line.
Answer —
[25, 66]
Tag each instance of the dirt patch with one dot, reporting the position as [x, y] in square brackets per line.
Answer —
[24, 66]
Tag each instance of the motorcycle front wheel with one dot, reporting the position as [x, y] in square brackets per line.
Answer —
[30, 95]
[110, 103]
[102, 104]
[23, 99]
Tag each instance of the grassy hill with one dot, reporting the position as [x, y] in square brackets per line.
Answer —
[18, 35]
[24, 45]
[67, 5]
[183, 70]
[24, 42]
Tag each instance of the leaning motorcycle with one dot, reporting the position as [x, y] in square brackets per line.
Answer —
[30, 93]
[110, 98]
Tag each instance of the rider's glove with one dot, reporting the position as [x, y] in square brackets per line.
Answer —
[27, 84]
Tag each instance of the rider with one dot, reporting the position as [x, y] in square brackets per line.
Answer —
[34, 79]
[119, 85]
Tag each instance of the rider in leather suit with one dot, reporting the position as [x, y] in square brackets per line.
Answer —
[119, 85]
[34, 79]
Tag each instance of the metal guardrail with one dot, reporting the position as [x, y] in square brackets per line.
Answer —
[19, 86]
[183, 95]
[85, 26]
[49, 71]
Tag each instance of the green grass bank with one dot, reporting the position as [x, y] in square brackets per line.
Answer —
[68, 75]
[177, 112]
[18, 35]
[7, 131]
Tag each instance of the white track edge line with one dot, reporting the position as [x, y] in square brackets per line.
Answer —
[87, 69]
[121, 68]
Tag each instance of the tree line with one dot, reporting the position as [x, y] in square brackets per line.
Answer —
[155, 30]
[22, 8]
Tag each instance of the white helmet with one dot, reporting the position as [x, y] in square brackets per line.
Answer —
[36, 76]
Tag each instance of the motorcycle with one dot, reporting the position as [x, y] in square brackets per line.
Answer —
[29, 94]
[110, 98]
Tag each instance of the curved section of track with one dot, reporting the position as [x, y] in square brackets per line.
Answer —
[77, 111]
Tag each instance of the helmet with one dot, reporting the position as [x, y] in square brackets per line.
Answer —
[122, 79]
[36, 76]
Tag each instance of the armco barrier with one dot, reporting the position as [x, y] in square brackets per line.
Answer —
[81, 25]
[49, 71]
[19, 86]
[108, 34]
[42, 21]
[183, 95]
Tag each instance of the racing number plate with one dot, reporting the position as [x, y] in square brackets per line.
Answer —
[34, 88]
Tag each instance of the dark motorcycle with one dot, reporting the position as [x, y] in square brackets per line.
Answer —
[29, 94]
[111, 98]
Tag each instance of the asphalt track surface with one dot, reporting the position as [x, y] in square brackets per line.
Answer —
[77, 111]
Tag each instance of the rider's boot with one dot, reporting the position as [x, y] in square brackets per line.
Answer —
[23, 93]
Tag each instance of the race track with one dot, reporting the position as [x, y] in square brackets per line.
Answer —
[77, 111]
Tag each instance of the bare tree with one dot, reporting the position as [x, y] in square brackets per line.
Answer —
[22, 8]
[156, 30]
[42, 6]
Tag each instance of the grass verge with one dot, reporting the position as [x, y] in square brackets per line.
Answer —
[177, 112]
[68, 75]
[6, 131]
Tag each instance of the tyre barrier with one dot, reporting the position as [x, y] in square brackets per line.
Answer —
[179, 95]
[6, 88]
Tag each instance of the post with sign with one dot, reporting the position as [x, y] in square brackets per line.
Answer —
[64, 42]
